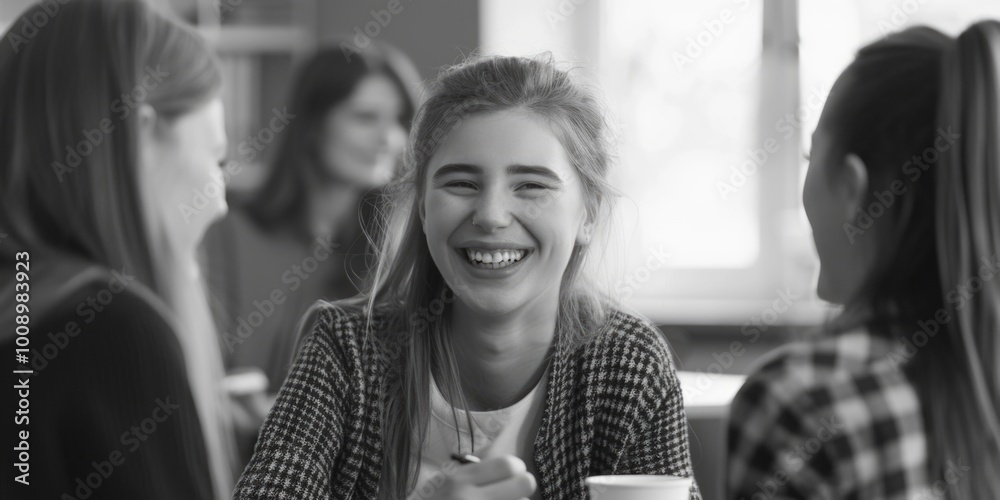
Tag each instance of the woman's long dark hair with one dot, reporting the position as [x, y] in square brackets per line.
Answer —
[901, 94]
[324, 81]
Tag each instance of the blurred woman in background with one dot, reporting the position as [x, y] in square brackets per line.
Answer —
[901, 399]
[300, 237]
[110, 118]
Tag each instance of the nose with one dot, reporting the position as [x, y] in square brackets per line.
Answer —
[493, 210]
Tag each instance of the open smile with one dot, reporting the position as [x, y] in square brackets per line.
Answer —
[494, 259]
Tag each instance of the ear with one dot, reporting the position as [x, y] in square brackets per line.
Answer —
[853, 184]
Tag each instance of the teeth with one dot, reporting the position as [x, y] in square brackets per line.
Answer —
[495, 259]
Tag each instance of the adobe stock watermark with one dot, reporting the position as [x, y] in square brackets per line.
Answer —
[957, 297]
[953, 473]
[756, 158]
[657, 259]
[913, 169]
[249, 149]
[131, 440]
[424, 317]
[454, 117]
[712, 30]
[226, 6]
[380, 20]
[87, 309]
[901, 14]
[563, 11]
[254, 144]
[20, 35]
[829, 428]
[752, 330]
[438, 480]
[421, 321]
[292, 279]
[122, 107]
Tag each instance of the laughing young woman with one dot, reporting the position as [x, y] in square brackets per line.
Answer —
[481, 332]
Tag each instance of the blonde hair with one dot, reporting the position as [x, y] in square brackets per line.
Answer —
[406, 280]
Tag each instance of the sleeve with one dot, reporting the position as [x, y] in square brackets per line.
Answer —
[129, 415]
[301, 437]
[776, 446]
[660, 443]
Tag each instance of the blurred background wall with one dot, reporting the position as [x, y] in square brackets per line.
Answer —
[433, 34]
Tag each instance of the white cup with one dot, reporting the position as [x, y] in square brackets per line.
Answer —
[638, 487]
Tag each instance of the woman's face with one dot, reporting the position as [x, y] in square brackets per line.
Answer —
[502, 211]
[182, 180]
[834, 189]
[362, 138]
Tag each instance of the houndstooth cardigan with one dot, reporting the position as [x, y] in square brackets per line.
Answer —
[613, 406]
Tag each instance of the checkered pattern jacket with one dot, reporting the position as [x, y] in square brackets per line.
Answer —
[613, 407]
[835, 418]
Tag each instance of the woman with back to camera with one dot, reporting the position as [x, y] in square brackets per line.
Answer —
[349, 116]
[124, 399]
[901, 400]
[483, 331]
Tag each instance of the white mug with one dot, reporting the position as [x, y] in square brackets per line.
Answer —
[638, 487]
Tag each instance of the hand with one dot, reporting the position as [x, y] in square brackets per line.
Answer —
[250, 402]
[498, 478]
[250, 411]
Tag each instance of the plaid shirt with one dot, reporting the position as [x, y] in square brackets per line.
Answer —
[833, 418]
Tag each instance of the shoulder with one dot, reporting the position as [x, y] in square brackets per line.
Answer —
[115, 305]
[794, 374]
[630, 350]
[347, 329]
[113, 325]
[826, 365]
[346, 319]
[628, 337]
[839, 397]
[845, 382]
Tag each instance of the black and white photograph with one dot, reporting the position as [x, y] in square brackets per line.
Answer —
[500, 249]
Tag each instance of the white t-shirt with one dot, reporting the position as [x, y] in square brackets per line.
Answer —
[508, 431]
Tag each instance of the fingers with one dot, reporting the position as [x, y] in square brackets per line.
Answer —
[518, 486]
[498, 478]
[492, 470]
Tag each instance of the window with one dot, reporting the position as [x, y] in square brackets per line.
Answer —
[715, 102]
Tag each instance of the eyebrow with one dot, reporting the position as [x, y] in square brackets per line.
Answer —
[515, 169]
